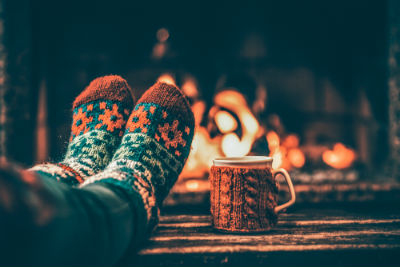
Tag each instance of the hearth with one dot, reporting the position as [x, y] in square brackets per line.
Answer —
[305, 83]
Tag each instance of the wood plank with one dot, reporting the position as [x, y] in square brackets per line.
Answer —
[336, 236]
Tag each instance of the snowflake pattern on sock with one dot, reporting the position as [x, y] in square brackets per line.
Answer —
[98, 122]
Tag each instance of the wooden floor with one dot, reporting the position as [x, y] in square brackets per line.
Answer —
[305, 237]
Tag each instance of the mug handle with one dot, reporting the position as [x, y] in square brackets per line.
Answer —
[291, 189]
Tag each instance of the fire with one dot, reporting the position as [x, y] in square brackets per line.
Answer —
[340, 157]
[296, 157]
[291, 141]
[198, 109]
[277, 159]
[204, 148]
[275, 149]
[226, 122]
[166, 78]
[192, 185]
[237, 130]
[189, 87]
[286, 155]
[273, 141]
[232, 145]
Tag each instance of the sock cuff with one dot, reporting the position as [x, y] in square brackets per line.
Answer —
[111, 87]
[172, 99]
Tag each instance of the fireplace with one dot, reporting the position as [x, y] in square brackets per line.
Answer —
[303, 82]
[317, 132]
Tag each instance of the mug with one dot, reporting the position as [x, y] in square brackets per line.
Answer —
[244, 194]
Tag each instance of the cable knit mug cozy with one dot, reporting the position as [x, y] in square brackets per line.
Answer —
[244, 194]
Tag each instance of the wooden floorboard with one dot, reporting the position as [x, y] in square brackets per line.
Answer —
[301, 238]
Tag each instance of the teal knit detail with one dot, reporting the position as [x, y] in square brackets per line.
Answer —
[96, 146]
[96, 132]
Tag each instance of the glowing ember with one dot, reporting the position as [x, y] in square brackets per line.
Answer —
[296, 157]
[192, 185]
[340, 157]
[286, 155]
[226, 122]
[291, 141]
[189, 88]
[198, 109]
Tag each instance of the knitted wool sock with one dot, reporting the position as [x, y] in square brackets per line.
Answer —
[153, 150]
[100, 113]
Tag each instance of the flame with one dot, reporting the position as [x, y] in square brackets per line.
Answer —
[231, 145]
[189, 87]
[340, 157]
[166, 78]
[273, 141]
[204, 150]
[192, 185]
[198, 109]
[274, 148]
[286, 155]
[226, 122]
[296, 157]
[235, 101]
[291, 141]
[285, 150]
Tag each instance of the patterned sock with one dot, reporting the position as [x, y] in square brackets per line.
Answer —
[100, 113]
[153, 150]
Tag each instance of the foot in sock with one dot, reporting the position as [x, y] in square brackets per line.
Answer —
[153, 150]
[100, 113]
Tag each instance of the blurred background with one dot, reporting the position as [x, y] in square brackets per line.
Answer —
[306, 82]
